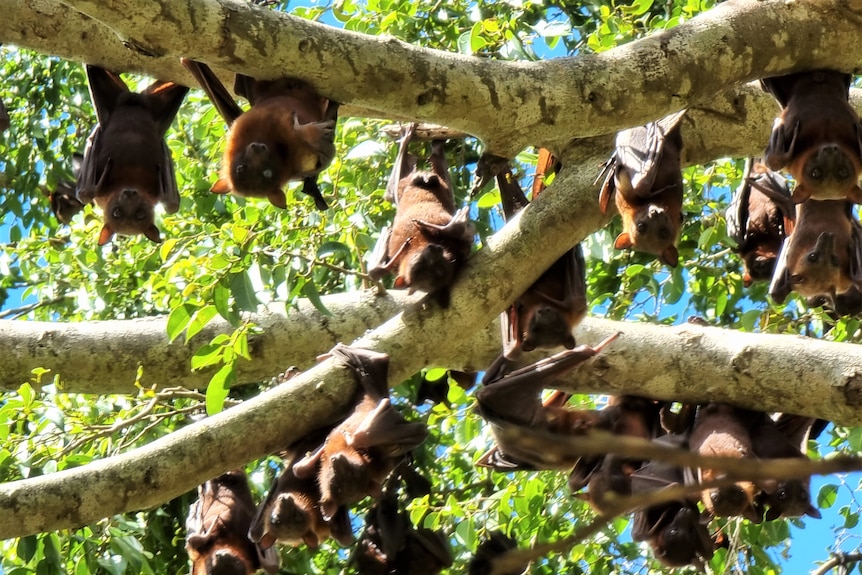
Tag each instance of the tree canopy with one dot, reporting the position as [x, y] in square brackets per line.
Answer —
[134, 371]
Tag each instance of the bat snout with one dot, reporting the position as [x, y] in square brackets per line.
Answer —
[225, 562]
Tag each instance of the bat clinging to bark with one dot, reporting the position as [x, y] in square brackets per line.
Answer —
[544, 315]
[759, 218]
[524, 427]
[817, 137]
[643, 176]
[287, 134]
[428, 241]
[725, 431]
[359, 453]
[823, 256]
[127, 167]
[217, 530]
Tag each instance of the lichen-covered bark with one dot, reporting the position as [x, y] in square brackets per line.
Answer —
[496, 101]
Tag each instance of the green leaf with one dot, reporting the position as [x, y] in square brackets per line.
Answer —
[26, 548]
[219, 387]
[199, 320]
[178, 320]
[436, 374]
[243, 292]
[826, 496]
[309, 290]
[465, 532]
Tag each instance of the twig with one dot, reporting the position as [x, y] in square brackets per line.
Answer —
[836, 560]
[19, 311]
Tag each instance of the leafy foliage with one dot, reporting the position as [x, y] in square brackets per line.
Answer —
[224, 255]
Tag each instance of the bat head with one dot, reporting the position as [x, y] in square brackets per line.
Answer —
[224, 561]
[735, 500]
[818, 269]
[344, 478]
[760, 264]
[547, 327]
[685, 540]
[290, 518]
[430, 270]
[653, 230]
[64, 203]
[828, 172]
[790, 498]
[255, 170]
[128, 212]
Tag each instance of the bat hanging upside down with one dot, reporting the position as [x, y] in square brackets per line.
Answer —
[287, 134]
[127, 167]
[428, 241]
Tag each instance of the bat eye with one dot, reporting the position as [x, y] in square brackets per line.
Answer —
[141, 215]
[117, 213]
[267, 174]
[816, 173]
[813, 257]
[641, 227]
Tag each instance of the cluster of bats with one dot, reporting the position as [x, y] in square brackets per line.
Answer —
[805, 240]
[535, 434]
[367, 454]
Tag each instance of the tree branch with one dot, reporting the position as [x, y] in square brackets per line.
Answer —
[496, 101]
[836, 560]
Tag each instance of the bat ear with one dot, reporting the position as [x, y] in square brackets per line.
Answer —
[277, 199]
[152, 234]
[569, 342]
[670, 256]
[813, 512]
[105, 235]
[773, 514]
[400, 282]
[746, 279]
[222, 186]
[623, 241]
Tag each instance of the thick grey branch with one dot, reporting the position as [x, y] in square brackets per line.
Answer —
[495, 101]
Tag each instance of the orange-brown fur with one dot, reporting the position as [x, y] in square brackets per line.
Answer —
[648, 195]
[768, 219]
[217, 528]
[287, 134]
[817, 137]
[821, 252]
[428, 241]
[722, 430]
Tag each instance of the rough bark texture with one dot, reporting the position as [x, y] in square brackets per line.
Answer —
[584, 96]
[496, 101]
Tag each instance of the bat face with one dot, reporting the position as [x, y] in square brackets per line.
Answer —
[217, 527]
[290, 514]
[64, 204]
[822, 256]
[790, 498]
[684, 541]
[287, 134]
[127, 168]
[428, 240]
[817, 136]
